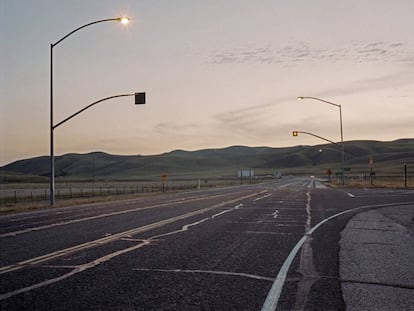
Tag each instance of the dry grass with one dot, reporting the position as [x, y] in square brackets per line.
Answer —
[24, 201]
[376, 183]
[28, 206]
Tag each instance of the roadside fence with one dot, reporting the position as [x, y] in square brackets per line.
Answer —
[20, 195]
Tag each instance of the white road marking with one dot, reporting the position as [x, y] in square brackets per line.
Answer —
[246, 275]
[286, 185]
[73, 221]
[68, 222]
[308, 211]
[81, 268]
[78, 269]
[350, 194]
[113, 237]
[273, 296]
[275, 214]
[263, 197]
[226, 211]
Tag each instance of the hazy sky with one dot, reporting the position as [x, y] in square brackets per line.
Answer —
[216, 73]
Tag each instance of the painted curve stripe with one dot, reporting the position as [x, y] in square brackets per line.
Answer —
[273, 296]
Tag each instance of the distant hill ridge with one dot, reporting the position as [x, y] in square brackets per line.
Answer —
[219, 162]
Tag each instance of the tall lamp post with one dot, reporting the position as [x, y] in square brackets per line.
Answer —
[342, 135]
[123, 20]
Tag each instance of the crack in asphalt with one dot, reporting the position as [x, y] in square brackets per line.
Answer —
[246, 275]
[122, 236]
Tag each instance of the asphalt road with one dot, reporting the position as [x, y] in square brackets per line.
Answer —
[222, 249]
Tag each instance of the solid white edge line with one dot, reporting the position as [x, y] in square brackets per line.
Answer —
[273, 296]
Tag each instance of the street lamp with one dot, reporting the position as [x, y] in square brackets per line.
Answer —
[123, 20]
[139, 100]
[296, 133]
[342, 135]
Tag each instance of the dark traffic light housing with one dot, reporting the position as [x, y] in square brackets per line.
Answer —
[139, 98]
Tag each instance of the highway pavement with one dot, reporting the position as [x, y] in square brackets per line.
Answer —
[270, 246]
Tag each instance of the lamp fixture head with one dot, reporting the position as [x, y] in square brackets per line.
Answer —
[124, 20]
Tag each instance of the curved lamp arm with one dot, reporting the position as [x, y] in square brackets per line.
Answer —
[314, 135]
[119, 19]
[97, 102]
[315, 98]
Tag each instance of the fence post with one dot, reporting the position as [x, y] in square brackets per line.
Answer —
[405, 175]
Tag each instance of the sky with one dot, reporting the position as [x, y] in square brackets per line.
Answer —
[216, 73]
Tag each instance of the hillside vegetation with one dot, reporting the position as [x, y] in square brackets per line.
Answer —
[388, 158]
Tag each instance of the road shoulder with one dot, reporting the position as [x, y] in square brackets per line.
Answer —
[376, 257]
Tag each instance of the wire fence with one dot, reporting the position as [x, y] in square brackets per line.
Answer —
[12, 194]
[385, 181]
[26, 193]
[37, 194]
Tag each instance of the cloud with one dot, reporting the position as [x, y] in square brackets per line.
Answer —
[242, 55]
[298, 51]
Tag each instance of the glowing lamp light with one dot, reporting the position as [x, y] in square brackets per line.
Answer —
[124, 20]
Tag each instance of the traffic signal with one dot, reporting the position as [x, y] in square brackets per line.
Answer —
[139, 98]
[295, 133]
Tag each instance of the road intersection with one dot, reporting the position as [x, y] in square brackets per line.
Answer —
[223, 249]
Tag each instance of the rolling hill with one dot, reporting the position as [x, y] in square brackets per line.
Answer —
[388, 157]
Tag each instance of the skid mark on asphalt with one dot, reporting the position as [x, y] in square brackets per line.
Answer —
[245, 275]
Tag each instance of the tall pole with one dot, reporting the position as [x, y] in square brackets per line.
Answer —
[342, 146]
[342, 134]
[123, 20]
[52, 159]
[405, 175]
